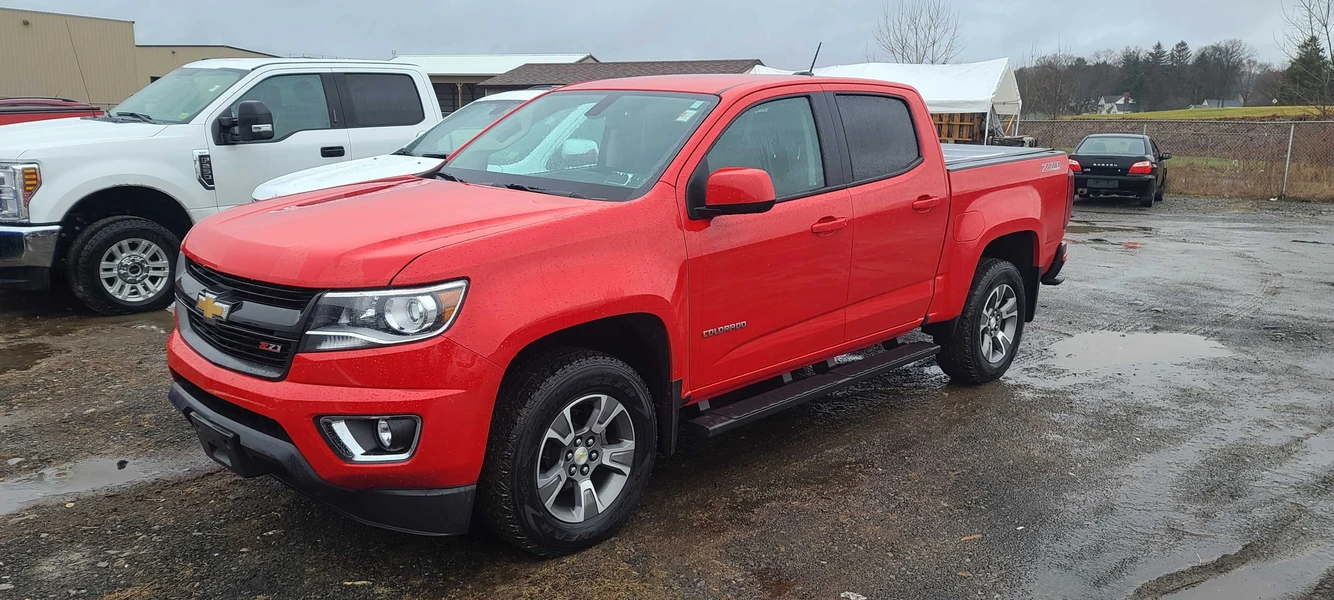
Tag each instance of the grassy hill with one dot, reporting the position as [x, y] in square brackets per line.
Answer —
[1204, 114]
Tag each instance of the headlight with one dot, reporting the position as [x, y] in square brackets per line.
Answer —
[17, 185]
[352, 320]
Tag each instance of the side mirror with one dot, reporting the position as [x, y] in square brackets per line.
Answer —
[254, 121]
[574, 153]
[1165, 156]
[737, 191]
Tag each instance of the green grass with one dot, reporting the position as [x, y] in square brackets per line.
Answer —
[1205, 114]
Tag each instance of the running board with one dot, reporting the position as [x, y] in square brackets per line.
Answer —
[727, 418]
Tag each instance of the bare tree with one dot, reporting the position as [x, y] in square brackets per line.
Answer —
[919, 31]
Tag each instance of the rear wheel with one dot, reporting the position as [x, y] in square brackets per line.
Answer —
[1162, 190]
[123, 265]
[1147, 200]
[985, 338]
[572, 445]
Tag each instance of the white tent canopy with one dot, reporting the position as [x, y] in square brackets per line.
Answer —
[980, 87]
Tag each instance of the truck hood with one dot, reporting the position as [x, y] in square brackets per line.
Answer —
[356, 171]
[27, 140]
[361, 236]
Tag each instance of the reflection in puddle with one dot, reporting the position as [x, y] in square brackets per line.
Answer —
[1273, 580]
[22, 356]
[1076, 228]
[83, 476]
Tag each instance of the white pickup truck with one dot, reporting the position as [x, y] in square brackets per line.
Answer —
[106, 200]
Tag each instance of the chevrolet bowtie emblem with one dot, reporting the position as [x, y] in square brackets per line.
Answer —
[209, 306]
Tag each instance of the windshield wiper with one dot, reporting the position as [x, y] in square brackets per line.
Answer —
[141, 116]
[528, 188]
[401, 152]
[434, 155]
[447, 177]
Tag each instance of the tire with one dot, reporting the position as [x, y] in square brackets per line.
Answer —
[1147, 199]
[1162, 190]
[961, 353]
[531, 403]
[142, 246]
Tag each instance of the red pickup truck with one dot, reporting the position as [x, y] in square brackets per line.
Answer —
[529, 326]
[23, 110]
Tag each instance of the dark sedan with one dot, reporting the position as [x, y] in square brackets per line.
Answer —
[1120, 165]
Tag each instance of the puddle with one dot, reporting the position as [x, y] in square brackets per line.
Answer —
[1081, 228]
[1276, 580]
[1096, 350]
[1096, 354]
[22, 356]
[84, 476]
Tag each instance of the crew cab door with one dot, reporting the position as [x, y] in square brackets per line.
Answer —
[900, 206]
[383, 111]
[768, 288]
[307, 132]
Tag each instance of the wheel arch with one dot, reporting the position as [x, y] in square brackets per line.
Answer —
[640, 339]
[125, 200]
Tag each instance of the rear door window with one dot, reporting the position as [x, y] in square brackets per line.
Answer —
[778, 137]
[881, 137]
[381, 100]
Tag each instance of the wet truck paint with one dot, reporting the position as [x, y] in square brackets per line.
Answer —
[23, 110]
[807, 280]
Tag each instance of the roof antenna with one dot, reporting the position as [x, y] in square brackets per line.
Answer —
[811, 72]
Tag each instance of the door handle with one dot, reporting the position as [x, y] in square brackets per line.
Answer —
[332, 151]
[829, 225]
[925, 203]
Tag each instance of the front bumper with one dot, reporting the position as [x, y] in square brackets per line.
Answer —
[27, 253]
[247, 444]
[1137, 185]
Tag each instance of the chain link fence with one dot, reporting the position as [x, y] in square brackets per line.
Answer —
[1228, 159]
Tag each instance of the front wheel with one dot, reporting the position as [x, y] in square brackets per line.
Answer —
[572, 445]
[123, 265]
[984, 340]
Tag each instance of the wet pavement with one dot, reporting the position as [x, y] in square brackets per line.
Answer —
[1166, 432]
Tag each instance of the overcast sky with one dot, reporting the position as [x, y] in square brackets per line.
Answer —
[782, 33]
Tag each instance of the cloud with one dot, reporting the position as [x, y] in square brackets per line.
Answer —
[782, 33]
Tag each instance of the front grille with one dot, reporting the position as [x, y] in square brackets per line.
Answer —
[249, 290]
[241, 341]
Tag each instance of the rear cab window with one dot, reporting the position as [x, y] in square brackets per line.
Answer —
[882, 139]
[381, 100]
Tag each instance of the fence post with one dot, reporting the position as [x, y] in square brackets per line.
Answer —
[1146, 129]
[1287, 164]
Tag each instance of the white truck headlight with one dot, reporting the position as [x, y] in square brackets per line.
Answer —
[18, 183]
[353, 320]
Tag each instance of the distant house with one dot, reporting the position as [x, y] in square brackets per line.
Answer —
[531, 75]
[1220, 103]
[1117, 105]
[455, 76]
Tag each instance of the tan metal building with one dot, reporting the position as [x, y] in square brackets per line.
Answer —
[90, 59]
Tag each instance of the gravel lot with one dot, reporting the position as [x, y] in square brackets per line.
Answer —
[1167, 432]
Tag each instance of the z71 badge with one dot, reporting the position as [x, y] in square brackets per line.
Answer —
[1051, 167]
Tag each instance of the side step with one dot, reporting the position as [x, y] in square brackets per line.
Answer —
[727, 418]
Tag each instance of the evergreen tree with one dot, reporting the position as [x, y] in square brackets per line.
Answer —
[1132, 72]
[1307, 79]
[1180, 57]
[1155, 78]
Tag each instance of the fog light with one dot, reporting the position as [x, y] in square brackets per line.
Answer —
[372, 439]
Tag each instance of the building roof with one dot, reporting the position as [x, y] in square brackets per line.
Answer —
[60, 14]
[483, 65]
[204, 46]
[255, 63]
[550, 74]
[719, 84]
[957, 88]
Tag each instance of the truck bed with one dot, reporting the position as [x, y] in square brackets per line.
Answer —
[962, 156]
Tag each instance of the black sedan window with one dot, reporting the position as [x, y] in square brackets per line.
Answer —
[1112, 146]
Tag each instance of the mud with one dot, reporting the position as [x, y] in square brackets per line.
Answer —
[1166, 432]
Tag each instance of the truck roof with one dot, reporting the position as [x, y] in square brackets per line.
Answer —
[255, 63]
[710, 84]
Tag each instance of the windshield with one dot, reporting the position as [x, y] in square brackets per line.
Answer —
[1113, 146]
[606, 145]
[459, 127]
[179, 95]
